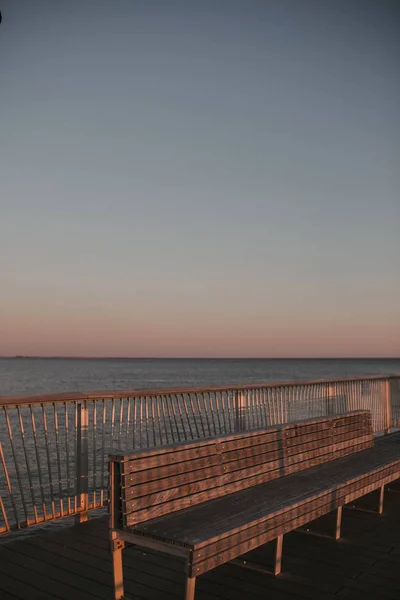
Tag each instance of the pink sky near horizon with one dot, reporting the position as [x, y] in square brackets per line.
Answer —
[79, 335]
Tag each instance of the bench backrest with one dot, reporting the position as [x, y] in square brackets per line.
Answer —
[157, 481]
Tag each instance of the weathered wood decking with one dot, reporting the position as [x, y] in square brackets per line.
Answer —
[75, 564]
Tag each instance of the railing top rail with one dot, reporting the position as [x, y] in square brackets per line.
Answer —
[60, 398]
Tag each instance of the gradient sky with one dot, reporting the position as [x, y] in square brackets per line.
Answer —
[200, 178]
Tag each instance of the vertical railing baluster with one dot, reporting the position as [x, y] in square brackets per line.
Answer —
[27, 463]
[153, 420]
[210, 410]
[146, 415]
[184, 403]
[82, 462]
[94, 474]
[75, 455]
[388, 406]
[194, 415]
[128, 418]
[159, 411]
[38, 462]
[275, 406]
[218, 410]
[112, 423]
[135, 420]
[3, 512]
[9, 488]
[18, 473]
[223, 410]
[140, 422]
[60, 490]
[206, 413]
[121, 416]
[169, 417]
[179, 408]
[103, 454]
[67, 452]
[173, 412]
[199, 415]
[46, 438]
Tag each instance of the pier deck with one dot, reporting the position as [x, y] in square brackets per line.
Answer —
[73, 563]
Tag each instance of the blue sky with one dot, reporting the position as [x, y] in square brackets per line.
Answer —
[200, 178]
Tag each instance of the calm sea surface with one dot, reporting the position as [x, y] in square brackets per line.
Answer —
[45, 375]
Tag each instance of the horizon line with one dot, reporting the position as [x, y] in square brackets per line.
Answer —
[76, 357]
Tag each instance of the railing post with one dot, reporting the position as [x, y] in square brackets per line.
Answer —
[82, 462]
[240, 407]
[388, 406]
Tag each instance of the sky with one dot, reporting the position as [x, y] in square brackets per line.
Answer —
[200, 179]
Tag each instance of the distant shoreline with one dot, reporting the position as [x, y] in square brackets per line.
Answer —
[23, 357]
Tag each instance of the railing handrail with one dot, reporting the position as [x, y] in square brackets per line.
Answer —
[62, 397]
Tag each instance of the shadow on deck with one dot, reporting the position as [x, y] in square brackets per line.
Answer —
[74, 564]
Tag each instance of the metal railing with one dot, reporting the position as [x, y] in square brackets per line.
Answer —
[54, 448]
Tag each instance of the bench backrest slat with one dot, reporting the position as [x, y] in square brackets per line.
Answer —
[160, 481]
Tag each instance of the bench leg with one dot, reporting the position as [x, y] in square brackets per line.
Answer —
[381, 497]
[117, 546]
[190, 587]
[338, 522]
[278, 555]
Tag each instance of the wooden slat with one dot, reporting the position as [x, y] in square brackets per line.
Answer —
[337, 421]
[278, 468]
[166, 483]
[169, 457]
[152, 512]
[261, 445]
[325, 451]
[170, 470]
[188, 491]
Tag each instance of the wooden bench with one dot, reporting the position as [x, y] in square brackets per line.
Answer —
[210, 501]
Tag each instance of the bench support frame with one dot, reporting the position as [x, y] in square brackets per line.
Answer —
[246, 564]
[369, 510]
[336, 534]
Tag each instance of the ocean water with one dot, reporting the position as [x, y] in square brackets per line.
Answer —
[46, 375]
